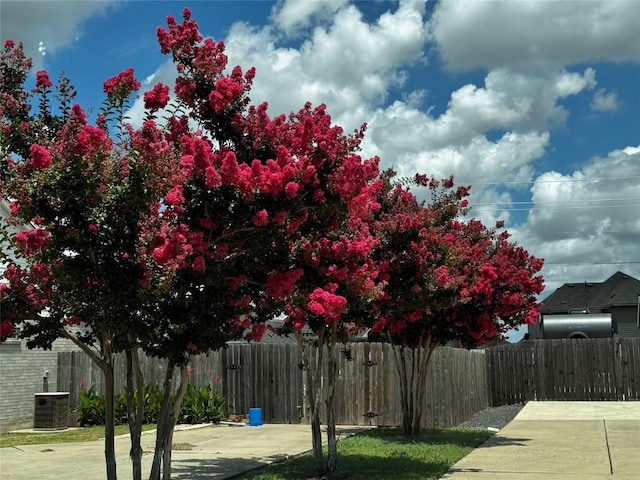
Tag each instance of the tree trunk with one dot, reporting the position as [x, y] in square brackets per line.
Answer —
[167, 419]
[166, 455]
[422, 366]
[104, 360]
[163, 421]
[316, 440]
[177, 404]
[407, 411]
[109, 395]
[313, 366]
[135, 407]
[317, 389]
[412, 366]
[330, 388]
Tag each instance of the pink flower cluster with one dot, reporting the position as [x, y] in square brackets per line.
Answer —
[6, 329]
[29, 290]
[156, 98]
[122, 85]
[280, 285]
[40, 156]
[90, 141]
[209, 58]
[73, 321]
[32, 240]
[484, 286]
[260, 218]
[226, 92]
[180, 37]
[442, 275]
[43, 80]
[484, 329]
[324, 302]
[15, 207]
[255, 332]
[178, 246]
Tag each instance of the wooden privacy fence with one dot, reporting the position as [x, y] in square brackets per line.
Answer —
[459, 382]
[270, 376]
[566, 369]
[368, 392]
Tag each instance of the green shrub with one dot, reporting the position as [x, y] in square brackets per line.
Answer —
[200, 405]
[92, 408]
[152, 403]
[120, 409]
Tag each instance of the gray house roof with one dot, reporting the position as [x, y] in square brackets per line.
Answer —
[617, 291]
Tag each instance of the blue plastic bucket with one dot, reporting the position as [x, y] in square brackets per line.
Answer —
[255, 417]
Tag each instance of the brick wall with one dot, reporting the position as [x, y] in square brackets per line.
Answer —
[21, 372]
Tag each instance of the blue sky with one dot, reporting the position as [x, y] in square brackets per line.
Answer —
[535, 104]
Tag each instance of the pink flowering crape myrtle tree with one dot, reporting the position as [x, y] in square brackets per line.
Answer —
[270, 211]
[222, 227]
[334, 280]
[118, 251]
[447, 280]
[86, 192]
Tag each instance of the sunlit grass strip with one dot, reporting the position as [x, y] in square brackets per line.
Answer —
[85, 434]
[385, 454]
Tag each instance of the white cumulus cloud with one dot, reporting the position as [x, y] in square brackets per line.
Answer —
[347, 63]
[45, 26]
[292, 15]
[604, 101]
[588, 221]
[534, 35]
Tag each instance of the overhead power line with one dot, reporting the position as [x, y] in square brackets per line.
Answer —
[590, 207]
[590, 263]
[558, 201]
[559, 232]
[531, 182]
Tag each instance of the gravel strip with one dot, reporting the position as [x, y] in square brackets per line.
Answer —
[496, 417]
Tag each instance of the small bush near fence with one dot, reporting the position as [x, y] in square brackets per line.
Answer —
[200, 405]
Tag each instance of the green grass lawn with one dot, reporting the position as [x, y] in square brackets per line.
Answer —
[385, 454]
[84, 434]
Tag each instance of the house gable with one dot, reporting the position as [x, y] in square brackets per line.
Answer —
[618, 290]
[617, 296]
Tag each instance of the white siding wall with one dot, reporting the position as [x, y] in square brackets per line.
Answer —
[626, 321]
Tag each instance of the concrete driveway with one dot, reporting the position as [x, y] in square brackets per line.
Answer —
[560, 441]
[546, 441]
[199, 453]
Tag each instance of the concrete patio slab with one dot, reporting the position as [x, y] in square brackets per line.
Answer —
[560, 440]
